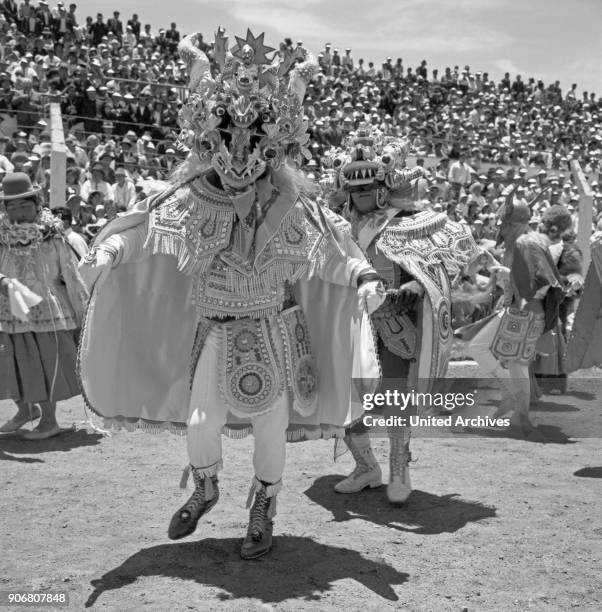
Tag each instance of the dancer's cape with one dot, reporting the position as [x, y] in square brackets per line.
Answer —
[431, 248]
[585, 342]
[137, 341]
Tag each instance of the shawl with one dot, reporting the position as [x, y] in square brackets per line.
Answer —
[430, 248]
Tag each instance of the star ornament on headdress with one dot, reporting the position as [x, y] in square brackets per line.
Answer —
[256, 43]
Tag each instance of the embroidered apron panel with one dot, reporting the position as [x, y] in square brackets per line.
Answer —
[396, 330]
[516, 336]
[251, 378]
[301, 371]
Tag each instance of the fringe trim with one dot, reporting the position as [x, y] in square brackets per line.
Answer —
[320, 432]
[247, 311]
[256, 285]
[168, 244]
[185, 476]
[181, 233]
[152, 427]
[209, 470]
[270, 491]
[430, 238]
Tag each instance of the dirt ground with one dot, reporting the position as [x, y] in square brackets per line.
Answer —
[495, 522]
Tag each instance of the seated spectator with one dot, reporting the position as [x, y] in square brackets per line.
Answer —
[75, 240]
[96, 184]
[123, 191]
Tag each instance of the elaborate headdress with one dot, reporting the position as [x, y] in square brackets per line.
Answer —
[370, 167]
[248, 113]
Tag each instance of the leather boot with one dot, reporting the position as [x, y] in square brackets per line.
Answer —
[366, 472]
[258, 540]
[399, 487]
[205, 496]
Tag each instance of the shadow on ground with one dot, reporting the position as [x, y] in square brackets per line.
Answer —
[297, 568]
[546, 406]
[423, 513]
[589, 472]
[543, 434]
[14, 444]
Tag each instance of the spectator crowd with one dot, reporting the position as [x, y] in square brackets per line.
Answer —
[121, 85]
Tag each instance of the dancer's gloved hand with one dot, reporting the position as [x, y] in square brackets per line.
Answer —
[370, 295]
[95, 269]
[409, 294]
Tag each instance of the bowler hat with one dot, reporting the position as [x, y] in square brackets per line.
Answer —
[16, 186]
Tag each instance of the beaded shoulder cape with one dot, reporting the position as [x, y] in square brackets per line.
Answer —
[426, 237]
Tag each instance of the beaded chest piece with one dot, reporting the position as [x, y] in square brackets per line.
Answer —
[199, 227]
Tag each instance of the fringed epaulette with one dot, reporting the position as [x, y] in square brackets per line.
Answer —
[428, 237]
[191, 225]
[420, 225]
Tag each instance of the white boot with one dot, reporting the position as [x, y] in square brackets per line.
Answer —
[399, 487]
[367, 471]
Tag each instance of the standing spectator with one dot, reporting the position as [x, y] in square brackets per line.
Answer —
[45, 21]
[459, 174]
[71, 16]
[115, 25]
[347, 61]
[336, 58]
[62, 24]
[10, 8]
[326, 59]
[135, 24]
[88, 108]
[38, 345]
[98, 29]
[130, 38]
[173, 36]
[145, 35]
[28, 16]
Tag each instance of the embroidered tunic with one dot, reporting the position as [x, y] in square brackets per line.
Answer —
[198, 225]
[242, 273]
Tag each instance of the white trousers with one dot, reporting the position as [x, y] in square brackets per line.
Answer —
[208, 414]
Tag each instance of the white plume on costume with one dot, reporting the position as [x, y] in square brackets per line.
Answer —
[301, 75]
[197, 63]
